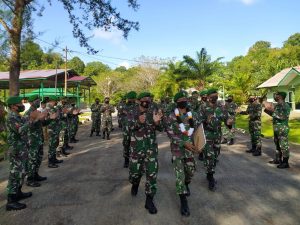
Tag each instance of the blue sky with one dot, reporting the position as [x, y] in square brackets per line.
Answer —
[173, 28]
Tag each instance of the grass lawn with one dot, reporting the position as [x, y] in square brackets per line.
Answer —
[267, 127]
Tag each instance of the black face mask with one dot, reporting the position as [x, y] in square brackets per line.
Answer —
[276, 99]
[145, 104]
[213, 99]
[182, 105]
[106, 102]
[97, 102]
[204, 99]
[21, 108]
[251, 100]
[229, 100]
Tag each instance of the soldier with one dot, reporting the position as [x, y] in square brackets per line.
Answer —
[212, 115]
[143, 124]
[120, 106]
[35, 144]
[203, 102]
[17, 128]
[254, 110]
[74, 121]
[45, 128]
[195, 104]
[128, 109]
[53, 130]
[96, 117]
[228, 132]
[180, 125]
[106, 109]
[280, 114]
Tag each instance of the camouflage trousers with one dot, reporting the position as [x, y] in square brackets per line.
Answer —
[18, 159]
[126, 143]
[35, 158]
[53, 143]
[144, 160]
[255, 132]
[281, 139]
[228, 133]
[106, 124]
[211, 152]
[120, 121]
[63, 138]
[96, 124]
[184, 168]
[73, 128]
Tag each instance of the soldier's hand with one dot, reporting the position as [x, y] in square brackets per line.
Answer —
[142, 118]
[65, 110]
[269, 106]
[229, 122]
[34, 115]
[189, 146]
[53, 116]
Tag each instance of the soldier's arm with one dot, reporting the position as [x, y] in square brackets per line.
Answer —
[175, 139]
[257, 113]
[94, 108]
[17, 126]
[282, 114]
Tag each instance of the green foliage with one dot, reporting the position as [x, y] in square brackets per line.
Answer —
[76, 64]
[293, 40]
[95, 69]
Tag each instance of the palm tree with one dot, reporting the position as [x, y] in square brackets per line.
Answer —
[201, 67]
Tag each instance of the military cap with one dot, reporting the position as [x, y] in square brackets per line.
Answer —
[281, 93]
[179, 95]
[194, 92]
[212, 91]
[12, 100]
[33, 98]
[131, 95]
[144, 94]
[204, 92]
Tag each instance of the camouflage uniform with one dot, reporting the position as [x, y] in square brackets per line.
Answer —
[228, 133]
[74, 121]
[194, 104]
[17, 128]
[96, 117]
[106, 124]
[183, 160]
[53, 131]
[64, 127]
[144, 150]
[120, 107]
[2, 127]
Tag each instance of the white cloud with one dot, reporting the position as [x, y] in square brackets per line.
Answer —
[125, 64]
[115, 36]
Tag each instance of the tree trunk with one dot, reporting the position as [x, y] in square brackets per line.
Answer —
[15, 44]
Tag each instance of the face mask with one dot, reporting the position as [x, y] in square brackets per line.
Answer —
[276, 99]
[204, 99]
[182, 105]
[106, 102]
[21, 108]
[36, 104]
[229, 100]
[97, 102]
[213, 99]
[251, 100]
[145, 104]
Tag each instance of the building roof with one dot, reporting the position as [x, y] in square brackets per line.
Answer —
[33, 74]
[283, 78]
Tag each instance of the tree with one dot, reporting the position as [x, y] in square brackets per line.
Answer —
[31, 55]
[76, 64]
[293, 40]
[95, 69]
[15, 16]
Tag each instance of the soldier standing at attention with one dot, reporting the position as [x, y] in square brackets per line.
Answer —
[74, 121]
[280, 114]
[254, 111]
[96, 117]
[203, 102]
[212, 115]
[17, 128]
[180, 125]
[120, 106]
[106, 109]
[35, 144]
[228, 131]
[143, 125]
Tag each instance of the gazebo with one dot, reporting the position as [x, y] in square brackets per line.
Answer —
[52, 78]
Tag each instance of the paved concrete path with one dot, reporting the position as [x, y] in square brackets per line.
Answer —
[91, 187]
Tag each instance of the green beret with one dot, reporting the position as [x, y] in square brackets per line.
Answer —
[144, 94]
[194, 92]
[179, 95]
[282, 94]
[131, 95]
[53, 98]
[12, 100]
[204, 92]
[33, 98]
[212, 91]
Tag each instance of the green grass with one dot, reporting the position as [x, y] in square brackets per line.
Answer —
[267, 127]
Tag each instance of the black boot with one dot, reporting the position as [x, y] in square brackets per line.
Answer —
[134, 189]
[97, 133]
[150, 205]
[201, 157]
[284, 164]
[188, 192]
[39, 178]
[224, 141]
[184, 208]
[32, 183]
[126, 162]
[13, 204]
[103, 135]
[91, 133]
[73, 140]
[231, 142]
[64, 153]
[257, 151]
[52, 164]
[252, 149]
[277, 159]
[211, 182]
[22, 195]
[107, 136]
[68, 147]
[55, 160]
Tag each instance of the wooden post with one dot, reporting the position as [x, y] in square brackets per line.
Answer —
[66, 77]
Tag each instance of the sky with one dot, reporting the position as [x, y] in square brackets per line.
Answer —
[174, 28]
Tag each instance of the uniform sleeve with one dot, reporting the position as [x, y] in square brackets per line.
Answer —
[257, 113]
[18, 127]
[93, 108]
[174, 138]
[283, 114]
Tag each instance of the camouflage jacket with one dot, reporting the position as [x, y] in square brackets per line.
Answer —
[53, 124]
[120, 107]
[281, 114]
[254, 111]
[231, 107]
[17, 128]
[107, 110]
[194, 104]
[96, 111]
[35, 131]
[143, 136]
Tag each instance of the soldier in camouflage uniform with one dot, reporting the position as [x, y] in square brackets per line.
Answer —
[180, 125]
[212, 116]
[35, 144]
[228, 132]
[144, 150]
[106, 109]
[74, 121]
[195, 104]
[254, 111]
[53, 131]
[2, 125]
[96, 117]
[280, 114]
[120, 107]
[17, 128]
[203, 102]
[128, 109]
